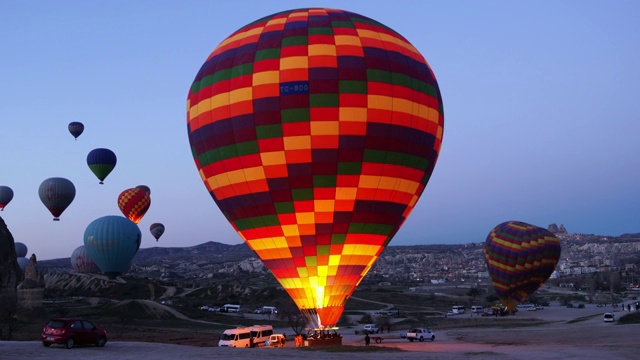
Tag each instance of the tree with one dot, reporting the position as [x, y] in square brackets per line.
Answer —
[474, 292]
[294, 318]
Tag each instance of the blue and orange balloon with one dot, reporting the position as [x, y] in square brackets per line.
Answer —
[101, 162]
[520, 258]
[316, 131]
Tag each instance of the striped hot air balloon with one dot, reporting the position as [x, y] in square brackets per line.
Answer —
[134, 203]
[156, 230]
[520, 257]
[315, 131]
[76, 128]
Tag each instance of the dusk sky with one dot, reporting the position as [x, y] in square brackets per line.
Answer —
[540, 103]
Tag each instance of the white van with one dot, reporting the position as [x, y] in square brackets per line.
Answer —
[458, 309]
[260, 334]
[238, 337]
[230, 308]
[477, 309]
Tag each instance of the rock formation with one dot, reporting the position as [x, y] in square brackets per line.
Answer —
[10, 277]
[553, 228]
[31, 292]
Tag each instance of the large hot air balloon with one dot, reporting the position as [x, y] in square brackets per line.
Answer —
[134, 203]
[112, 242]
[21, 249]
[315, 131]
[81, 261]
[520, 257]
[76, 129]
[101, 162]
[6, 194]
[157, 230]
[57, 194]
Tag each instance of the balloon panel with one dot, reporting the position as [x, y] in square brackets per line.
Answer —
[520, 258]
[81, 261]
[6, 195]
[315, 132]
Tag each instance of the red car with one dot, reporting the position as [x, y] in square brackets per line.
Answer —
[72, 331]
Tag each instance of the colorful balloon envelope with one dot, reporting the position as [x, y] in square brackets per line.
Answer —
[81, 261]
[76, 129]
[315, 131]
[112, 242]
[157, 230]
[520, 257]
[101, 162]
[6, 195]
[57, 194]
[134, 203]
[21, 249]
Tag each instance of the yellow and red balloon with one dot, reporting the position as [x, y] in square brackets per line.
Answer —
[316, 131]
[134, 203]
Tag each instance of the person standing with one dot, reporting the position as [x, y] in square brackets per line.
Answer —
[367, 340]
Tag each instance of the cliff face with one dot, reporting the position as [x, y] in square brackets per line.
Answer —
[10, 277]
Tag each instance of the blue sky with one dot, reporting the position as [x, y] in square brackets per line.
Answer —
[540, 99]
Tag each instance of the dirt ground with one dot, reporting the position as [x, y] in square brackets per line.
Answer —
[569, 334]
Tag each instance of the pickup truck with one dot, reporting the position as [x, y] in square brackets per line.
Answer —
[370, 329]
[420, 334]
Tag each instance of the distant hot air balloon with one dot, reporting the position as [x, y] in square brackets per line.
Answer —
[134, 203]
[315, 131]
[81, 261]
[520, 257]
[157, 230]
[112, 242]
[56, 194]
[21, 249]
[76, 128]
[6, 194]
[145, 188]
[101, 162]
[23, 262]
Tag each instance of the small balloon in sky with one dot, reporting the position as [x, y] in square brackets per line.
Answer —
[76, 128]
[6, 194]
[56, 194]
[157, 230]
[101, 162]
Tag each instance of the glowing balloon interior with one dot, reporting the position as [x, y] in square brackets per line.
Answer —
[316, 131]
[134, 203]
[520, 257]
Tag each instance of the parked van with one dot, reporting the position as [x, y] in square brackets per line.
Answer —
[458, 309]
[477, 309]
[260, 334]
[238, 337]
[230, 308]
